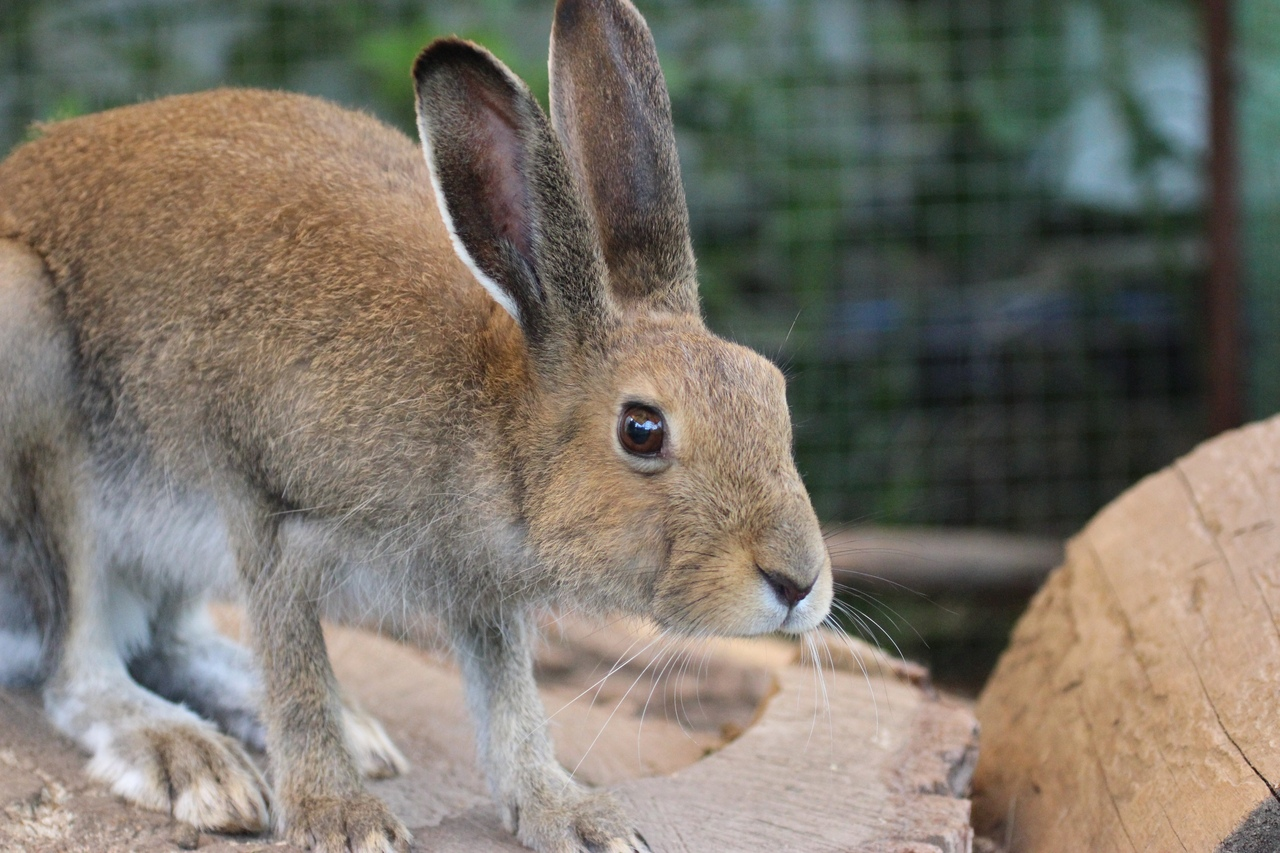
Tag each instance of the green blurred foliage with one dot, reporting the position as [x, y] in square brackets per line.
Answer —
[865, 178]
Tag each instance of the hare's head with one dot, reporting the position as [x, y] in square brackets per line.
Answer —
[654, 458]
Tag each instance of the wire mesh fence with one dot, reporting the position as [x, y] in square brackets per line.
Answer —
[968, 229]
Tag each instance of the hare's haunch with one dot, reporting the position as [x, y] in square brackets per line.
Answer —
[253, 340]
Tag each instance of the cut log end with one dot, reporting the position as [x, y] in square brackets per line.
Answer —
[1133, 708]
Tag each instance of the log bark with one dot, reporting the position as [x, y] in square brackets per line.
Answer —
[734, 746]
[1135, 707]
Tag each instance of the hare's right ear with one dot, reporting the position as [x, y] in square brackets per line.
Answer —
[610, 106]
[505, 193]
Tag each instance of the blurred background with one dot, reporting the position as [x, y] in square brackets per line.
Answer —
[997, 246]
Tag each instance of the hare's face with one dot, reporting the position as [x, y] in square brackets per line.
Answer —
[678, 488]
[653, 459]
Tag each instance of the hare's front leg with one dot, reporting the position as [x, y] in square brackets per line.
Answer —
[539, 801]
[320, 802]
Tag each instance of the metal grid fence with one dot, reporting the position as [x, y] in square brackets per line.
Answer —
[968, 229]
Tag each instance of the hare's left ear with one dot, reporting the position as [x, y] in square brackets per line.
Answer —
[610, 107]
[507, 197]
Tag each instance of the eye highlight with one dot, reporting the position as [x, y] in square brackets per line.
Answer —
[641, 430]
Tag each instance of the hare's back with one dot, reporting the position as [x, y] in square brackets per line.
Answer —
[236, 183]
[275, 253]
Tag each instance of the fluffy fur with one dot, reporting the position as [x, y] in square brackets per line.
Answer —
[264, 343]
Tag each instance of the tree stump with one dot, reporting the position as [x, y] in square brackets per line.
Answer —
[732, 745]
[1135, 707]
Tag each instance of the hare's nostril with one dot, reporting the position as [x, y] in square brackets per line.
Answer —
[788, 591]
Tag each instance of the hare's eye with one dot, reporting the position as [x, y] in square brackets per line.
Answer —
[641, 430]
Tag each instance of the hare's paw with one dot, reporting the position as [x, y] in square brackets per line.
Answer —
[371, 747]
[187, 769]
[571, 819]
[357, 824]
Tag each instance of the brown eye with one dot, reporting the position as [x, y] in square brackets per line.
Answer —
[641, 430]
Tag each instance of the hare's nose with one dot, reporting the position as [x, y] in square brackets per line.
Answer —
[788, 591]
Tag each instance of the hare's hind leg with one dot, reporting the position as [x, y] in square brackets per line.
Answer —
[146, 749]
[188, 661]
[34, 422]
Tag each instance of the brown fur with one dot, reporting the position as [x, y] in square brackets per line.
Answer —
[264, 331]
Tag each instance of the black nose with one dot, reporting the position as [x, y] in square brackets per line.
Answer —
[788, 591]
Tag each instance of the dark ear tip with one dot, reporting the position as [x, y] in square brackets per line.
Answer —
[568, 13]
[444, 51]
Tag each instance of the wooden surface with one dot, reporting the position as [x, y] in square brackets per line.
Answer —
[933, 560]
[741, 749]
[1135, 709]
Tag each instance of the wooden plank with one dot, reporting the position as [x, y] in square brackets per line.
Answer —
[1131, 709]
[734, 745]
[929, 560]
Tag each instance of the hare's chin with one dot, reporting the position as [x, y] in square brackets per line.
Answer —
[806, 615]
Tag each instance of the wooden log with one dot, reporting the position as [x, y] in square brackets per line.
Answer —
[734, 745]
[1134, 708]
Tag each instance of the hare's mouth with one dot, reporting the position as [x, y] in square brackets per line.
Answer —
[804, 617]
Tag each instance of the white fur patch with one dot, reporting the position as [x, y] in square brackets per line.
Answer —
[181, 539]
[126, 780]
[128, 616]
[371, 747]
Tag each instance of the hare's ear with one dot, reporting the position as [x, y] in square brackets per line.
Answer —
[610, 107]
[506, 194]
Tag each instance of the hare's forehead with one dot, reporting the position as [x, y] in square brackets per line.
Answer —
[704, 376]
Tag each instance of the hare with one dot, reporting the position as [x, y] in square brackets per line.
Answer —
[254, 340]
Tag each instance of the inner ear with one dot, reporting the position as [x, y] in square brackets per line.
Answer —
[502, 170]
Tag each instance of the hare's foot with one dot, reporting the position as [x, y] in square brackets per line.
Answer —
[374, 753]
[199, 776]
[159, 755]
[565, 817]
[360, 823]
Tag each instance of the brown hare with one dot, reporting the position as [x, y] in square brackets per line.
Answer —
[252, 340]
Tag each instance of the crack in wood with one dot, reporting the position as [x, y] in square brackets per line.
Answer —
[1227, 734]
[1252, 766]
[1131, 638]
[1194, 501]
[1102, 772]
[1172, 827]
